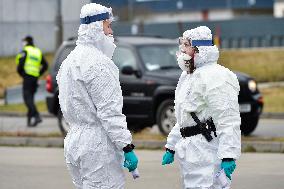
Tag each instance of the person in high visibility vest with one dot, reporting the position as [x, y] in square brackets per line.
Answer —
[31, 64]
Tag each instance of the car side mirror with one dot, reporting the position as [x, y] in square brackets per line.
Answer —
[128, 70]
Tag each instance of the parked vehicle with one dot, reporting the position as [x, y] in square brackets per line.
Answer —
[149, 75]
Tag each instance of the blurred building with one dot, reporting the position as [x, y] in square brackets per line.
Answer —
[167, 11]
[279, 8]
[37, 18]
[235, 23]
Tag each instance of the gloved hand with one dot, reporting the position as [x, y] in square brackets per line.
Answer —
[130, 161]
[229, 167]
[168, 157]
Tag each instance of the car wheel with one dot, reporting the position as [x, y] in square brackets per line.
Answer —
[249, 124]
[166, 119]
[63, 125]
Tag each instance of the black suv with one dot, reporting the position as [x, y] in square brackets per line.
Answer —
[149, 75]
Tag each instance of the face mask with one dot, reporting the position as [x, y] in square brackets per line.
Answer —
[110, 38]
[109, 46]
[181, 59]
[24, 43]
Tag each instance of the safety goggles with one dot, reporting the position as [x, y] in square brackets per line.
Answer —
[184, 41]
[193, 43]
[98, 17]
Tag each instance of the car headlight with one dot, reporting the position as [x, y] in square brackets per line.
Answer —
[252, 85]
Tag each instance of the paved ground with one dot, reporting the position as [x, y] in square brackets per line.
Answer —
[270, 128]
[44, 168]
[18, 124]
[266, 127]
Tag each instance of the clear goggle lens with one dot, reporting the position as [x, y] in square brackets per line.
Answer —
[183, 41]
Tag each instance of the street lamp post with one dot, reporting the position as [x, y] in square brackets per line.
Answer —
[130, 10]
[58, 25]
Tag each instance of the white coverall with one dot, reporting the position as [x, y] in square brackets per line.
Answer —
[91, 101]
[210, 91]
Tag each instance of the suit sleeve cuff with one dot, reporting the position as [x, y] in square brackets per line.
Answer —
[128, 148]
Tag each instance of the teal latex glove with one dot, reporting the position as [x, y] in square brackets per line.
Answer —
[229, 167]
[130, 161]
[168, 158]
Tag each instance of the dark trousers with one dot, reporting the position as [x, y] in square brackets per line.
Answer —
[29, 89]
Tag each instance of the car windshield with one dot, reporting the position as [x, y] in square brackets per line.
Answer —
[160, 57]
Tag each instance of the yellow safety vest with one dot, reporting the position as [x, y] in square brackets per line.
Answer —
[33, 60]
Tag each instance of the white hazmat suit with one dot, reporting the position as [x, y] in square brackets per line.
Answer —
[91, 101]
[210, 91]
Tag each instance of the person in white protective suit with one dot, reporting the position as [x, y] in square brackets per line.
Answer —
[207, 136]
[91, 101]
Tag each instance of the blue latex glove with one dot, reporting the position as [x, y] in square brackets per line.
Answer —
[168, 158]
[130, 161]
[229, 167]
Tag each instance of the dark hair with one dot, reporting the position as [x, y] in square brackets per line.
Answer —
[196, 49]
[29, 40]
[191, 61]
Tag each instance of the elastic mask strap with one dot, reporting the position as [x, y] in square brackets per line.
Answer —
[201, 43]
[95, 18]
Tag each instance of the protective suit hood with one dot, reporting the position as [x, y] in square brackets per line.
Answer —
[91, 33]
[207, 54]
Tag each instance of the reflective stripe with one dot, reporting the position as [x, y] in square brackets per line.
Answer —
[95, 18]
[33, 61]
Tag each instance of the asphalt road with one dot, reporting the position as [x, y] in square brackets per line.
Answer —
[266, 127]
[44, 168]
[270, 128]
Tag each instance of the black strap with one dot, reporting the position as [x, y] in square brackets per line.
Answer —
[201, 128]
[195, 118]
[190, 131]
[209, 122]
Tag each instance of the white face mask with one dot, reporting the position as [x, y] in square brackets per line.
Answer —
[109, 46]
[24, 43]
[181, 59]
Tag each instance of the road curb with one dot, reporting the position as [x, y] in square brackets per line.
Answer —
[247, 146]
[32, 141]
[263, 146]
[143, 144]
[269, 115]
[18, 114]
[270, 84]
